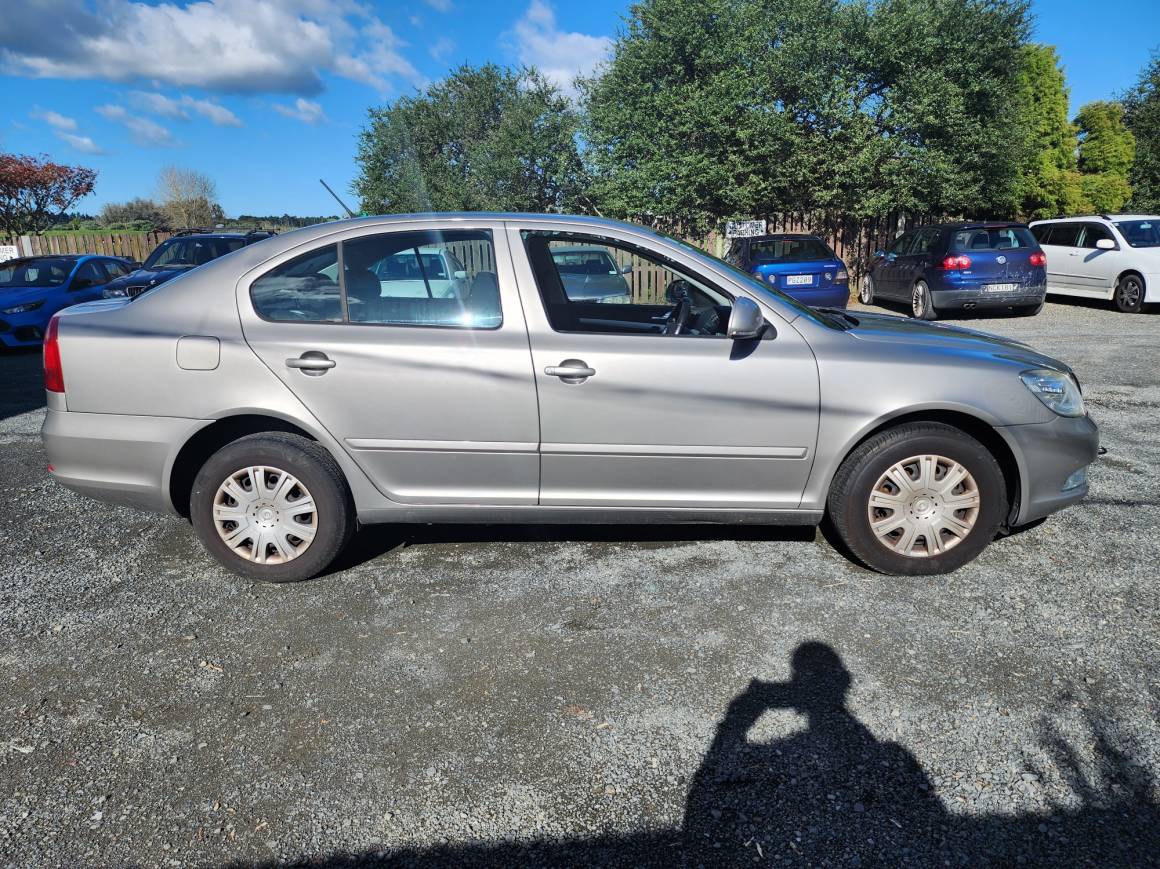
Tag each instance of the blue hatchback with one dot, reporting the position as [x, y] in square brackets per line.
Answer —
[34, 288]
[801, 266]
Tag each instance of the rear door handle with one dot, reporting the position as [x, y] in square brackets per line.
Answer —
[571, 371]
[312, 362]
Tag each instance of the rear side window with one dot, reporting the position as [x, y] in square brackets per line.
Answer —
[925, 242]
[392, 279]
[992, 238]
[1065, 234]
[1041, 232]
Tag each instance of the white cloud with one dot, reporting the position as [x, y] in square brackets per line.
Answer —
[54, 119]
[303, 110]
[442, 48]
[239, 46]
[144, 131]
[439, 5]
[82, 143]
[168, 107]
[561, 56]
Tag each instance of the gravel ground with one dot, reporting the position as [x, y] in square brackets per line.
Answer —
[530, 696]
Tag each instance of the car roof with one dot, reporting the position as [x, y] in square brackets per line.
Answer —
[64, 256]
[974, 224]
[775, 236]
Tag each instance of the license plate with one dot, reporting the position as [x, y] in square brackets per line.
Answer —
[1000, 288]
[798, 280]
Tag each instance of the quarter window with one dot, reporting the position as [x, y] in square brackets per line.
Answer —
[597, 284]
[305, 288]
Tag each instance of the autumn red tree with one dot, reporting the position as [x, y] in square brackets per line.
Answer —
[34, 190]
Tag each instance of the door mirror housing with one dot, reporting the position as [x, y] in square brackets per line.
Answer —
[745, 321]
[626, 269]
[879, 254]
[81, 284]
[1105, 244]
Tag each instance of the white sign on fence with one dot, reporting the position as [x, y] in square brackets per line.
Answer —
[744, 228]
[8, 251]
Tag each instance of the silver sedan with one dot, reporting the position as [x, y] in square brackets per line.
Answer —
[285, 393]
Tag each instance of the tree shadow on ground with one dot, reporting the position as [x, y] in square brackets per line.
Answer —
[834, 795]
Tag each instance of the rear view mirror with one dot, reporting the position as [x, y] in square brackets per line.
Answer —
[1105, 244]
[745, 321]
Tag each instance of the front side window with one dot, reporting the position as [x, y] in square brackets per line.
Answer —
[597, 284]
[901, 244]
[1140, 233]
[392, 279]
[1093, 232]
[992, 238]
[88, 275]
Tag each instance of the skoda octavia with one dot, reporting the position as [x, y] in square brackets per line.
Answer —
[290, 391]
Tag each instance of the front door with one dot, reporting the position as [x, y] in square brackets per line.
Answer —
[645, 402]
[411, 349]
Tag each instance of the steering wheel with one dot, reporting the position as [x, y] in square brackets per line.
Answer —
[678, 293]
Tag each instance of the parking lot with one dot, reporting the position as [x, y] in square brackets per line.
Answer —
[587, 695]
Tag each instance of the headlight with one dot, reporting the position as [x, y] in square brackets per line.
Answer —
[23, 309]
[114, 292]
[1055, 389]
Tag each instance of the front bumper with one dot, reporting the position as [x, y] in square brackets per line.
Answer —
[1048, 454]
[22, 330]
[115, 457]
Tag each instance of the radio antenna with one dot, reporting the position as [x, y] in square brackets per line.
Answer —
[349, 213]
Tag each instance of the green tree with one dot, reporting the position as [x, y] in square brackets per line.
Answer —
[139, 213]
[1106, 151]
[483, 139]
[711, 108]
[1049, 183]
[1142, 117]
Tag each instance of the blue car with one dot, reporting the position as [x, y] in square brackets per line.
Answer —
[962, 266]
[34, 288]
[801, 266]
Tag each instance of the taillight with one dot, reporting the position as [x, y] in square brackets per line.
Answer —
[842, 277]
[954, 263]
[53, 373]
[1038, 259]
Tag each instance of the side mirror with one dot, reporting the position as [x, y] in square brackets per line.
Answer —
[460, 275]
[1105, 244]
[878, 254]
[81, 284]
[745, 321]
[626, 269]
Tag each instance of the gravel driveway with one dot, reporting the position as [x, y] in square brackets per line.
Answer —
[531, 696]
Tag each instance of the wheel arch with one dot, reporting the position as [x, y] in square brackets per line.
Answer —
[983, 431]
[207, 440]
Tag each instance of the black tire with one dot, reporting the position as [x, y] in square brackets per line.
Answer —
[1129, 294]
[921, 303]
[848, 503]
[318, 473]
[866, 290]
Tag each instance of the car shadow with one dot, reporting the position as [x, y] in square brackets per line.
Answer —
[371, 542]
[831, 793]
[21, 381]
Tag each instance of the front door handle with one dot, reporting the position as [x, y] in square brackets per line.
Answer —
[312, 362]
[571, 371]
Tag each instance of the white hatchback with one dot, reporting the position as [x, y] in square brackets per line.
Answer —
[1114, 257]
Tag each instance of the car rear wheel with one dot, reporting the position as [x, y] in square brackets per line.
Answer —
[921, 305]
[920, 499]
[866, 291]
[272, 507]
[1129, 295]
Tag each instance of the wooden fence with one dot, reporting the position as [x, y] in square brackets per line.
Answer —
[132, 245]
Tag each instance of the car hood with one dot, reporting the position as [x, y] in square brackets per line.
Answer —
[12, 296]
[148, 277]
[901, 331]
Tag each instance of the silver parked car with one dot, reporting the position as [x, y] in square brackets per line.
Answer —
[282, 394]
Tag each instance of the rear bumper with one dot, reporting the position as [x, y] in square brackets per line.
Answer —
[976, 298]
[1049, 454]
[117, 458]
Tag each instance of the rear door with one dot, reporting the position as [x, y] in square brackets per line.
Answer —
[1061, 246]
[433, 397]
[911, 265]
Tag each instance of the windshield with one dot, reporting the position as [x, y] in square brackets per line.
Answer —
[991, 238]
[34, 272]
[1140, 233]
[789, 250]
[756, 286]
[193, 251]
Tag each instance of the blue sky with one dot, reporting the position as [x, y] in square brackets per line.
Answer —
[266, 96]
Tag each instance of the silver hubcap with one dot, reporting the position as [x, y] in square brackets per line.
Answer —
[265, 515]
[923, 506]
[867, 292]
[1129, 293]
[918, 300]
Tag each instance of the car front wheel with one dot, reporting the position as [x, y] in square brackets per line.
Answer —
[1129, 295]
[272, 507]
[920, 499]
